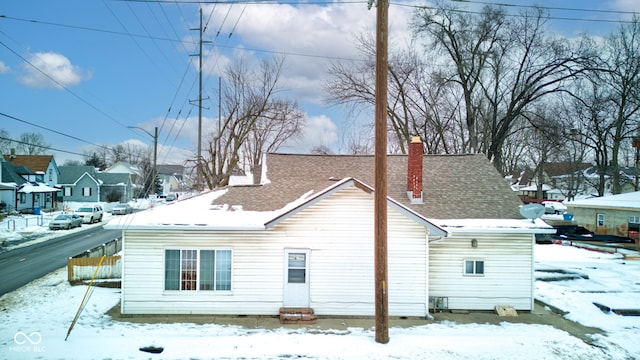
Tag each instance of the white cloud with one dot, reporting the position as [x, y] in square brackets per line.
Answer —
[626, 5]
[53, 70]
[318, 131]
[310, 36]
[3, 68]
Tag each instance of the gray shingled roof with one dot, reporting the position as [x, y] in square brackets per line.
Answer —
[71, 174]
[113, 178]
[455, 186]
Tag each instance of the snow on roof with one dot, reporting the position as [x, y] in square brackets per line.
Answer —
[545, 187]
[513, 226]
[200, 213]
[194, 213]
[624, 201]
[37, 188]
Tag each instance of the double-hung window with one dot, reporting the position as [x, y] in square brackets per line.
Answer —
[474, 267]
[197, 269]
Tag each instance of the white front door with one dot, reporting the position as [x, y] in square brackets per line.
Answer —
[296, 278]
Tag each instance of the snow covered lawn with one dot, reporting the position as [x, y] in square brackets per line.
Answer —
[34, 321]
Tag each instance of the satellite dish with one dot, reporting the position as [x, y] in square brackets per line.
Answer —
[532, 211]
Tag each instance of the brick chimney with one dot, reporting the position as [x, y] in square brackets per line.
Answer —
[414, 171]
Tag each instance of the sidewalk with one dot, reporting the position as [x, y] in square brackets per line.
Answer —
[540, 315]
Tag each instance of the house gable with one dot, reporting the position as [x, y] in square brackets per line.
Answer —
[347, 183]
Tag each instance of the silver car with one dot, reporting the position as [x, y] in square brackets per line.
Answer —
[65, 221]
[122, 209]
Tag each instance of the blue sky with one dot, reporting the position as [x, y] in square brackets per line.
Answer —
[118, 64]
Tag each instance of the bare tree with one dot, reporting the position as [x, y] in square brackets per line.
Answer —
[5, 142]
[281, 122]
[544, 140]
[249, 101]
[623, 80]
[593, 126]
[467, 41]
[31, 143]
[418, 101]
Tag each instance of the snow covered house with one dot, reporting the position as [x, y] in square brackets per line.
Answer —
[304, 238]
[609, 215]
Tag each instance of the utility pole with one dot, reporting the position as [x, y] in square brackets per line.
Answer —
[380, 160]
[199, 159]
[199, 162]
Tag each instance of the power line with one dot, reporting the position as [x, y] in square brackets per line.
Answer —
[562, 18]
[547, 7]
[40, 146]
[61, 85]
[53, 131]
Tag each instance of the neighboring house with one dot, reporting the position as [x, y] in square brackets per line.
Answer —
[86, 184]
[44, 166]
[79, 184]
[304, 238]
[609, 215]
[9, 182]
[171, 178]
[21, 190]
[116, 187]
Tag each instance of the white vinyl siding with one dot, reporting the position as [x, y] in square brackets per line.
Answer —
[339, 233]
[508, 271]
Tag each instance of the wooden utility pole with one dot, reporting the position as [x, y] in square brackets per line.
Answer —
[380, 200]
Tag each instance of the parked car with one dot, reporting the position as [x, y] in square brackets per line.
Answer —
[580, 233]
[122, 209]
[65, 221]
[170, 198]
[90, 213]
[554, 207]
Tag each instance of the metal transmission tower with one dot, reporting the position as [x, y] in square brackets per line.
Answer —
[199, 159]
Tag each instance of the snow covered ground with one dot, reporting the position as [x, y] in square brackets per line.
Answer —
[35, 319]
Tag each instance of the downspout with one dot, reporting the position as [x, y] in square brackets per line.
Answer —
[428, 263]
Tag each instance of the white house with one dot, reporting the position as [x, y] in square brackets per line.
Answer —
[304, 239]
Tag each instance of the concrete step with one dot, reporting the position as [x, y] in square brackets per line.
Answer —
[297, 316]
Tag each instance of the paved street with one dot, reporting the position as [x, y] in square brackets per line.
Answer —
[22, 265]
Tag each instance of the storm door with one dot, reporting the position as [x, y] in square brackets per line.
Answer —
[296, 278]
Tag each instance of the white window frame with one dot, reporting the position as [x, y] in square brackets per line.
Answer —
[634, 219]
[198, 275]
[475, 267]
[86, 190]
[600, 218]
[68, 191]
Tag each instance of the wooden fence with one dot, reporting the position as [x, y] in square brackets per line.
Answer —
[82, 266]
[80, 269]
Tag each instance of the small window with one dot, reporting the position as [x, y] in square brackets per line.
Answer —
[600, 219]
[50, 174]
[634, 219]
[474, 267]
[86, 191]
[68, 191]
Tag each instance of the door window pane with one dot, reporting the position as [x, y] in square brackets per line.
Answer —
[297, 276]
